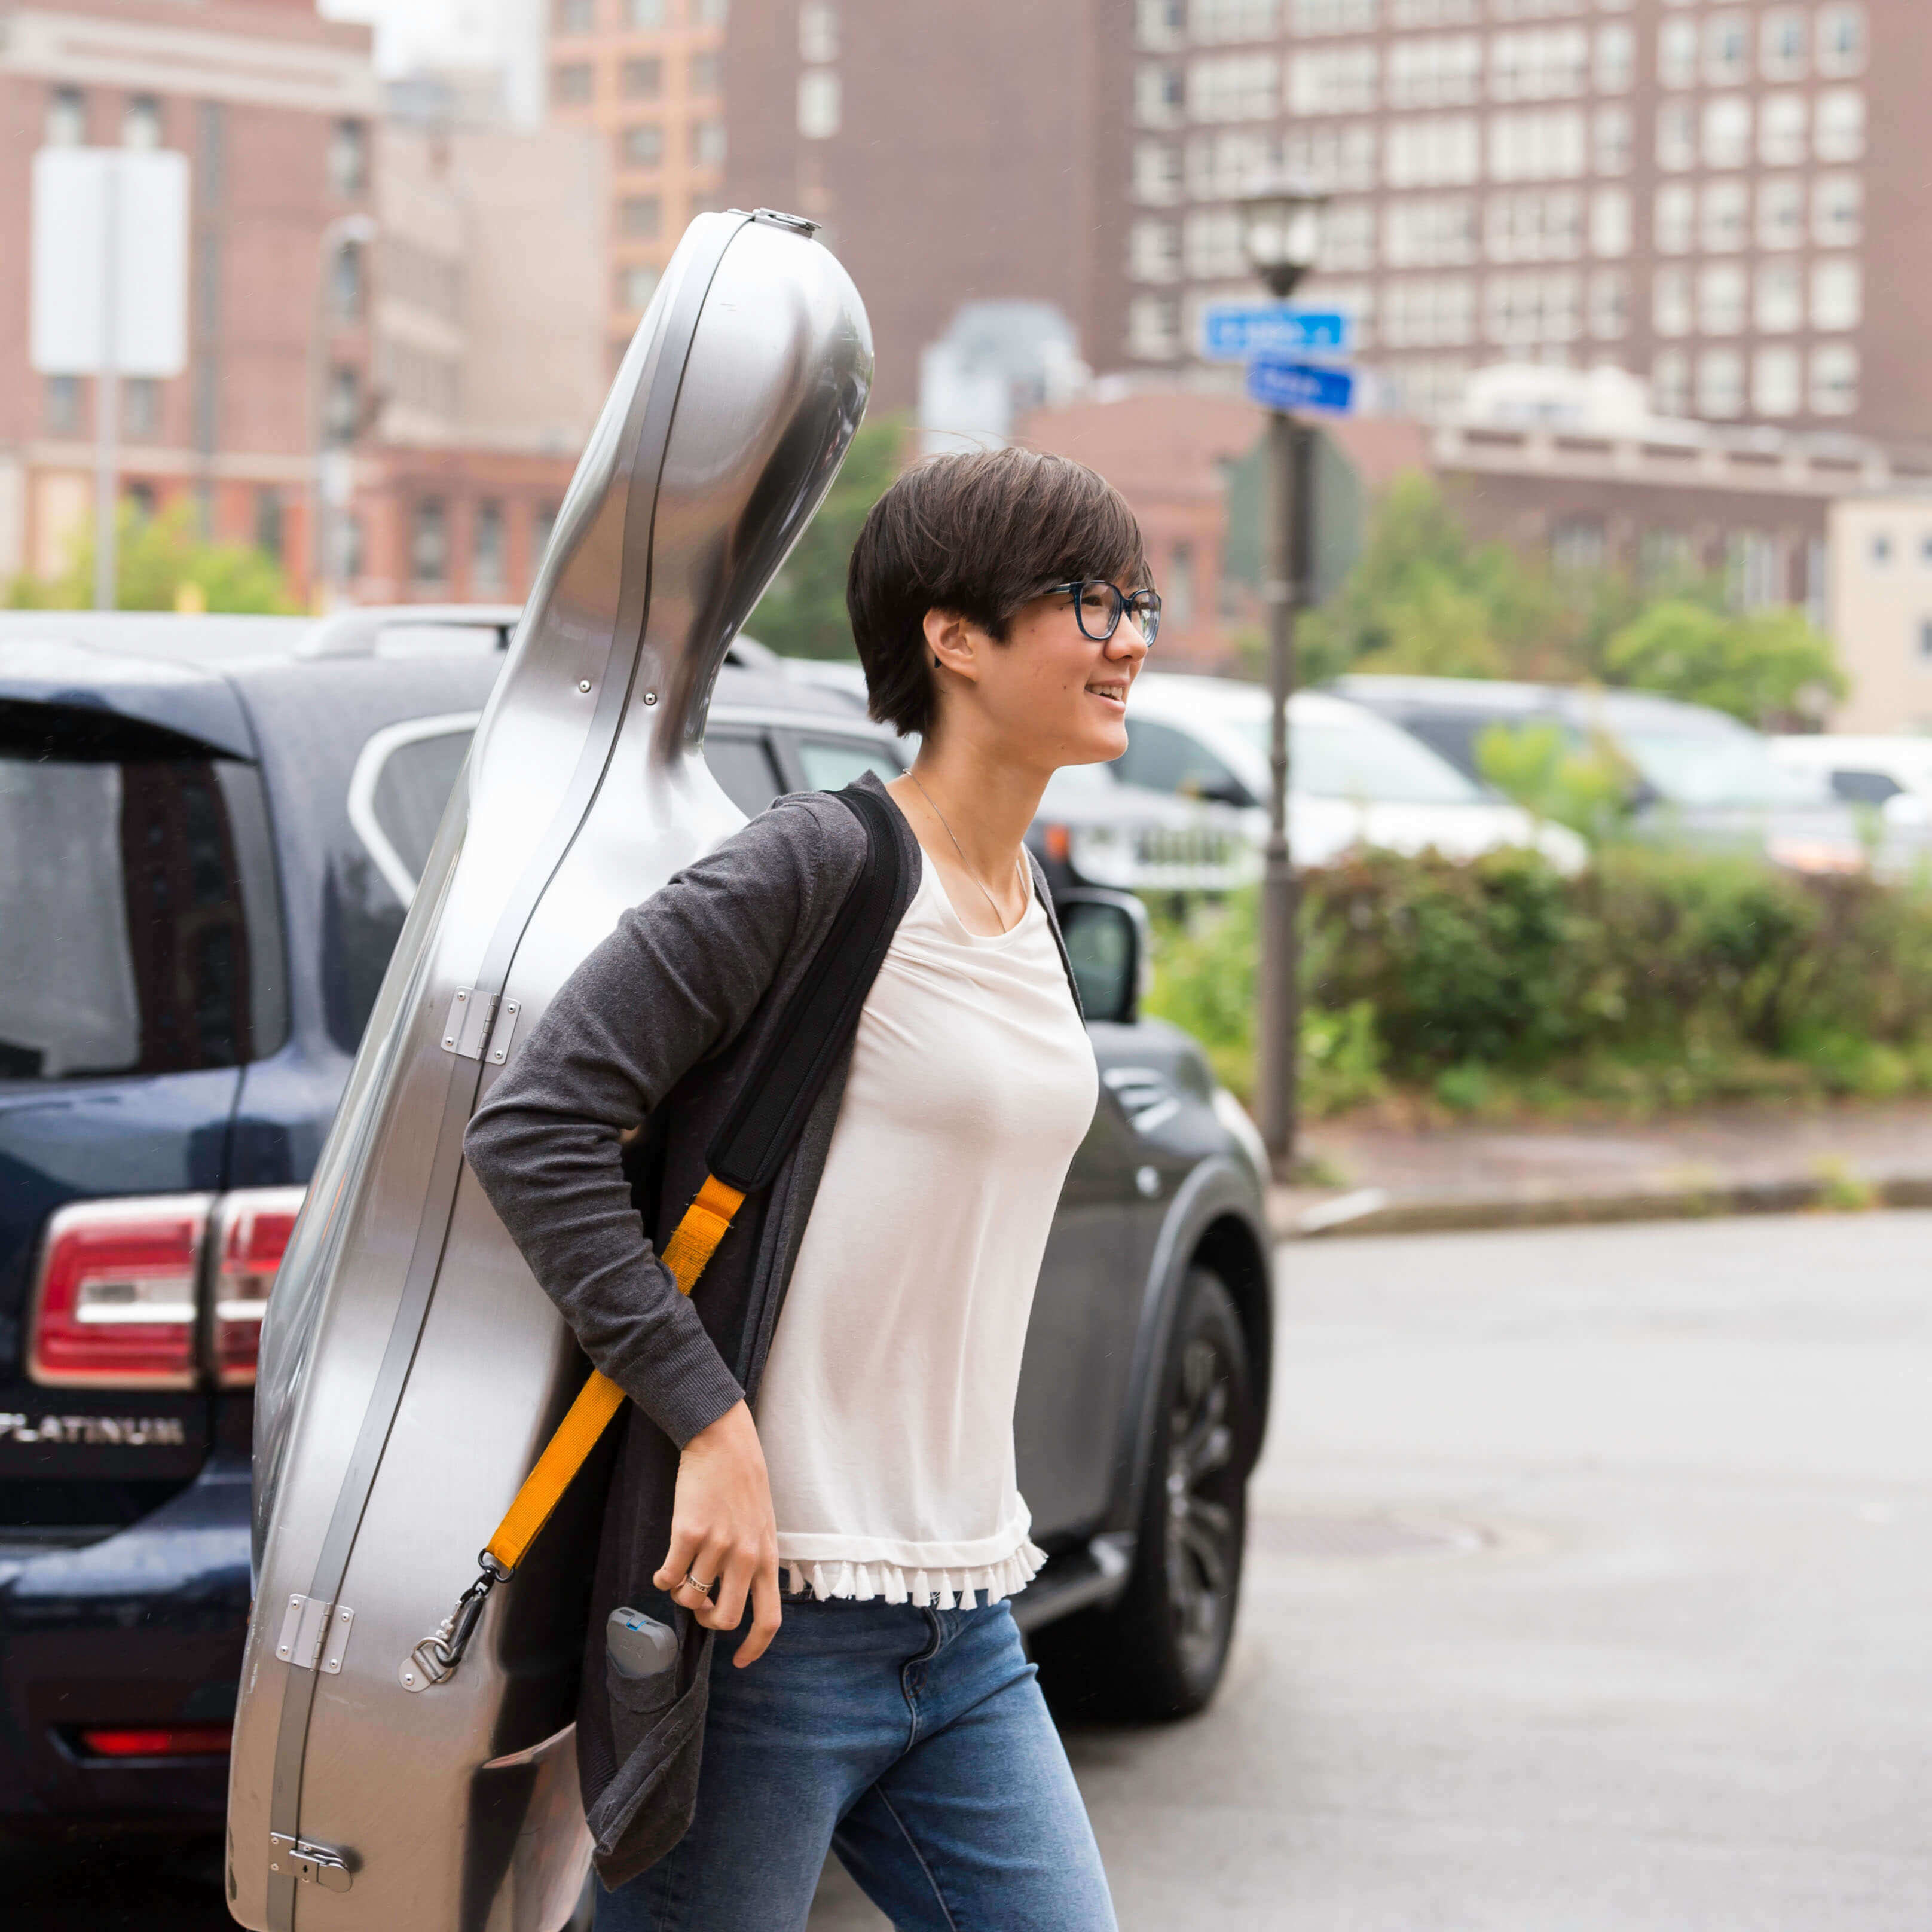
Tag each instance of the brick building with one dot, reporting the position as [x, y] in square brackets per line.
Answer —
[1687, 189]
[646, 78]
[273, 107]
[953, 154]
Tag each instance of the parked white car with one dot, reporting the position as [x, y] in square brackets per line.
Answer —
[1355, 779]
[1894, 774]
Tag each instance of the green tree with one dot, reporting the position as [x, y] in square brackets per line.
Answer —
[803, 614]
[1587, 787]
[1768, 668]
[161, 564]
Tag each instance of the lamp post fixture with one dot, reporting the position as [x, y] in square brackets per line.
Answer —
[357, 230]
[1281, 232]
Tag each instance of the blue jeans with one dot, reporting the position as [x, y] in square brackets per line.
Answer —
[914, 1743]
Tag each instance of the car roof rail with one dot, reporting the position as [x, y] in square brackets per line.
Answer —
[356, 632]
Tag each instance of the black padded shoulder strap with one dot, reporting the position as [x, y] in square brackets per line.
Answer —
[821, 1016]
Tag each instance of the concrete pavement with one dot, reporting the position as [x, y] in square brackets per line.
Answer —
[1588, 1594]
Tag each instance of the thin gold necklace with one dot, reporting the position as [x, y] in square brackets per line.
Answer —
[963, 865]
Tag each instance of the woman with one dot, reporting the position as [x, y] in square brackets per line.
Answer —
[845, 1477]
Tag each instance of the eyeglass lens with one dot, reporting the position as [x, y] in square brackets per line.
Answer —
[1100, 606]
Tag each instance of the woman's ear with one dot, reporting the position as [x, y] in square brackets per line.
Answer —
[952, 641]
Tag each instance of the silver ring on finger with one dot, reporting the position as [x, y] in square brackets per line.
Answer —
[704, 1589]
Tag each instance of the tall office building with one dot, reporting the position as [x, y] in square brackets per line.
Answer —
[647, 75]
[1689, 190]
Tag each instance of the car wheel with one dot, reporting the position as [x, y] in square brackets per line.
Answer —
[1160, 1651]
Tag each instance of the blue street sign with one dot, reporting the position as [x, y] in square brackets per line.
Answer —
[1232, 331]
[1280, 383]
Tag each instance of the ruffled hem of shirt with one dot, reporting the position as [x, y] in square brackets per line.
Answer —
[942, 1589]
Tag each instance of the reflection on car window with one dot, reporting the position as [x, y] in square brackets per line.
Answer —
[830, 763]
[1865, 788]
[1708, 768]
[139, 932]
[1369, 760]
[1162, 758]
[402, 781]
[743, 767]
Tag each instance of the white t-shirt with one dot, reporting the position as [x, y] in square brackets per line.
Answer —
[885, 1410]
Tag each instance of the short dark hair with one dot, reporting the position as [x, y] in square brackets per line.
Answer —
[977, 533]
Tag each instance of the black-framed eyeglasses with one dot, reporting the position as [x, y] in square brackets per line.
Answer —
[1099, 606]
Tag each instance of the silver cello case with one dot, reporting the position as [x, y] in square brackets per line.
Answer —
[411, 1369]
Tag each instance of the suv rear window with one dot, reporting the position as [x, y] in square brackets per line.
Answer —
[139, 929]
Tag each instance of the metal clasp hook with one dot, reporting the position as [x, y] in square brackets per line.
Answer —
[435, 1659]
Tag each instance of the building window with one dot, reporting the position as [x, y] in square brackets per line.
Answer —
[1726, 50]
[1720, 384]
[1613, 140]
[1422, 233]
[1841, 41]
[1676, 136]
[1837, 295]
[486, 572]
[818, 103]
[1211, 21]
[1670, 384]
[1840, 133]
[1428, 312]
[1160, 94]
[707, 143]
[1726, 210]
[1156, 172]
[1178, 586]
[60, 403]
[543, 526]
[1353, 16]
[349, 159]
[1439, 150]
[1153, 252]
[576, 16]
[1777, 387]
[642, 79]
[1834, 379]
[342, 405]
[1727, 128]
[1781, 44]
[640, 217]
[570, 83]
[429, 542]
[709, 13]
[1525, 309]
[1442, 70]
[1247, 87]
[1546, 146]
[268, 522]
[1925, 640]
[141, 122]
[1616, 59]
[1720, 299]
[1610, 304]
[1780, 298]
[1541, 63]
[66, 118]
[817, 31]
[1781, 130]
[1159, 24]
[1674, 219]
[1578, 543]
[1347, 238]
[140, 408]
[1780, 214]
[641, 146]
[1535, 226]
[1838, 211]
[346, 282]
[1210, 245]
[346, 533]
[1670, 301]
[1153, 328]
[637, 283]
[704, 74]
[1677, 53]
[643, 17]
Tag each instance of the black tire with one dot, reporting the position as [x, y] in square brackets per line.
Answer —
[1160, 1651]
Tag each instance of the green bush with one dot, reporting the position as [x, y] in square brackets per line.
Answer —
[1653, 978]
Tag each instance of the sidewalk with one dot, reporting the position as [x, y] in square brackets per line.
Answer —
[1726, 1161]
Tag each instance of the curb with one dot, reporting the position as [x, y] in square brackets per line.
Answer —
[1373, 1210]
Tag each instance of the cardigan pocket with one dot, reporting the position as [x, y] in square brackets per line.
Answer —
[647, 1807]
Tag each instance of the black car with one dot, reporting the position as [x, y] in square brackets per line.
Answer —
[212, 830]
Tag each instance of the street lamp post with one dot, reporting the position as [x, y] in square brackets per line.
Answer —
[359, 230]
[1281, 232]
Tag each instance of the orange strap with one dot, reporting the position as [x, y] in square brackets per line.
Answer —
[685, 1254]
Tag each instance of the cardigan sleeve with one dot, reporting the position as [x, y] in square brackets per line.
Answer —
[678, 978]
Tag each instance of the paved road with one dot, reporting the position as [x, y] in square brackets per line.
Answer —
[1588, 1593]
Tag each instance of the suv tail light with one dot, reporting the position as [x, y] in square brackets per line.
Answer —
[118, 1301]
[115, 1305]
[252, 1235]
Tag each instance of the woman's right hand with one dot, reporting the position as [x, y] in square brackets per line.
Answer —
[724, 1533]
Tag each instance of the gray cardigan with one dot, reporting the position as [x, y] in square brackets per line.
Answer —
[656, 1028]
